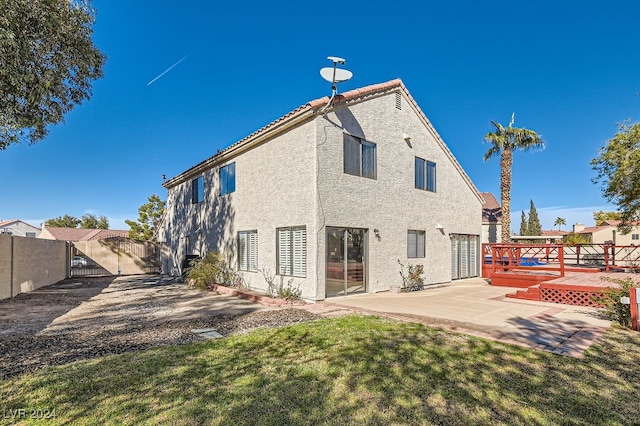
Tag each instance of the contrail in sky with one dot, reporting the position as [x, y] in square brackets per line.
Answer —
[167, 70]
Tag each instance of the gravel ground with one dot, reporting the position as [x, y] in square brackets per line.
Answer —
[90, 317]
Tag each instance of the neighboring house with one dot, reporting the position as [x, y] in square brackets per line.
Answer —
[18, 228]
[331, 197]
[491, 219]
[78, 234]
[608, 232]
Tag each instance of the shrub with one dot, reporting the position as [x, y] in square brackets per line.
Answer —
[279, 289]
[213, 268]
[614, 310]
[413, 279]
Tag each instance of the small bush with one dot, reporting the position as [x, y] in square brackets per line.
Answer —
[413, 279]
[610, 301]
[213, 269]
[277, 288]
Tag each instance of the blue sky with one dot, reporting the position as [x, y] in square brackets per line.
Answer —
[569, 70]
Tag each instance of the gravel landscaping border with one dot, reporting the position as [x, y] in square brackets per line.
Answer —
[84, 318]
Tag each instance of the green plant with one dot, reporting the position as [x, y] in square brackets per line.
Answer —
[413, 279]
[614, 309]
[213, 268]
[280, 290]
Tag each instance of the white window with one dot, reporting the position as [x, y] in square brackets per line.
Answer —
[291, 247]
[248, 251]
[415, 244]
[30, 234]
[359, 157]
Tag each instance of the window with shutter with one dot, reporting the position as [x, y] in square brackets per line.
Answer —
[248, 251]
[292, 251]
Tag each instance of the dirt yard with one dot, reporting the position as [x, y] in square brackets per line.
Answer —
[84, 318]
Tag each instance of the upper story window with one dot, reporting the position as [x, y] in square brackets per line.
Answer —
[228, 179]
[635, 236]
[197, 190]
[359, 157]
[425, 175]
[30, 234]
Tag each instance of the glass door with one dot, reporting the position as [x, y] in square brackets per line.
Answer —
[346, 261]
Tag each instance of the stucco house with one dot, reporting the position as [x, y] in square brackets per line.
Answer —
[608, 232]
[18, 228]
[331, 196]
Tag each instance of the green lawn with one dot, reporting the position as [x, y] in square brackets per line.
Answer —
[351, 370]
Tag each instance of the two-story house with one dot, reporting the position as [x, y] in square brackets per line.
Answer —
[332, 195]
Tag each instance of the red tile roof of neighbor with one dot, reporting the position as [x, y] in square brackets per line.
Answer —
[8, 222]
[491, 209]
[80, 234]
[309, 109]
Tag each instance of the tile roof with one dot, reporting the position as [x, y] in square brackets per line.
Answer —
[309, 110]
[80, 234]
[491, 209]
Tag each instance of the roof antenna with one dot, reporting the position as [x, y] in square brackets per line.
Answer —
[334, 75]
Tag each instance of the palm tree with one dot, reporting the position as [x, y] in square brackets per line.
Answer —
[559, 222]
[505, 140]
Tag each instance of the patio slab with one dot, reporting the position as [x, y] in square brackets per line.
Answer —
[474, 307]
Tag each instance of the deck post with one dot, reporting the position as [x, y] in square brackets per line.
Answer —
[561, 258]
[633, 296]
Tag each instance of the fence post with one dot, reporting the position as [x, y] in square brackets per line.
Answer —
[634, 297]
[11, 261]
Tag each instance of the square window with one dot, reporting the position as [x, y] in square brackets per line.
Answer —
[359, 157]
[635, 236]
[291, 249]
[228, 179]
[197, 190]
[425, 175]
[415, 244]
[248, 251]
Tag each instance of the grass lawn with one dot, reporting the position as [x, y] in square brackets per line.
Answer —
[350, 370]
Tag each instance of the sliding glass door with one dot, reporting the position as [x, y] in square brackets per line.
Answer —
[346, 261]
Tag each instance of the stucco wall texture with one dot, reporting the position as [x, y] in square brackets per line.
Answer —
[297, 179]
[27, 264]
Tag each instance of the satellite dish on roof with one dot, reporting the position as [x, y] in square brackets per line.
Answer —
[334, 76]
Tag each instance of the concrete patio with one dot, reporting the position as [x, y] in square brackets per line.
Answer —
[474, 307]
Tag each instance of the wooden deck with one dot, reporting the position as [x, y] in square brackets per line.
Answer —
[575, 288]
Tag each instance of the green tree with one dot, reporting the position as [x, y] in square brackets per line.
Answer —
[601, 216]
[524, 222]
[504, 141]
[48, 61]
[89, 221]
[618, 168]
[65, 221]
[559, 222]
[533, 226]
[149, 217]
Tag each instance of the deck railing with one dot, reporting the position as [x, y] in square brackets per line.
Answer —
[607, 257]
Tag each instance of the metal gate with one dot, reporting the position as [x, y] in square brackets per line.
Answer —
[464, 256]
[113, 256]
